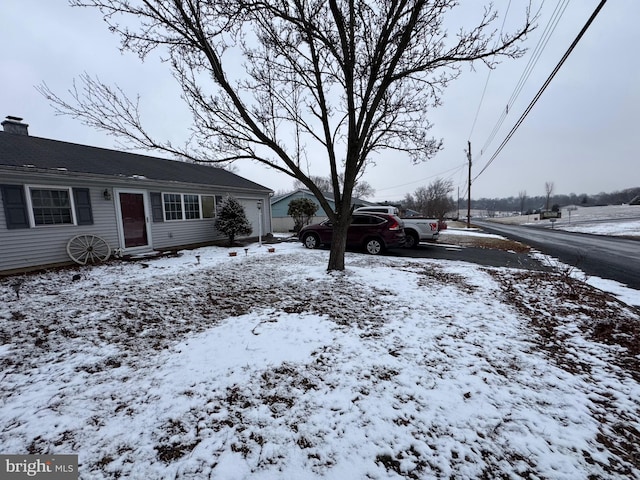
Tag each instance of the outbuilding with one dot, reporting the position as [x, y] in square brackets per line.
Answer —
[53, 192]
[282, 222]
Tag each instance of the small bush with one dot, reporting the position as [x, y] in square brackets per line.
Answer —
[301, 210]
[232, 219]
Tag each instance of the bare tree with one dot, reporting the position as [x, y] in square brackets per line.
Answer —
[361, 189]
[416, 201]
[408, 202]
[522, 196]
[432, 201]
[323, 183]
[440, 201]
[548, 189]
[291, 83]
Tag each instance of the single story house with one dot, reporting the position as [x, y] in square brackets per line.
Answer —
[53, 191]
[282, 222]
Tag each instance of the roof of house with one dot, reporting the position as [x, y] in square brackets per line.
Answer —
[27, 151]
[307, 193]
[278, 198]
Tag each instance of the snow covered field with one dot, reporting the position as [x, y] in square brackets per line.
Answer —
[263, 366]
[617, 220]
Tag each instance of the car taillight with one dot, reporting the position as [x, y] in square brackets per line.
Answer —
[393, 225]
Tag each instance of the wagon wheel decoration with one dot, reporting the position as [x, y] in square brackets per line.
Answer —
[85, 249]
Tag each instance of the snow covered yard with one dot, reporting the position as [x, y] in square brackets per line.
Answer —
[264, 366]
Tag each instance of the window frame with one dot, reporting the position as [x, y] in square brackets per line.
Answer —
[30, 207]
[188, 212]
[214, 210]
[165, 210]
[183, 209]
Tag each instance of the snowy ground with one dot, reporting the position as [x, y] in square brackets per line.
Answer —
[616, 220]
[619, 228]
[263, 366]
[458, 235]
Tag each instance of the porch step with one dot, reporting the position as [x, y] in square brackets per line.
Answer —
[151, 255]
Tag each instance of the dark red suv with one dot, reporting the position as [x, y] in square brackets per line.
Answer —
[373, 232]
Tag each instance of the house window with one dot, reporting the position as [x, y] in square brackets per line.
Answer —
[38, 205]
[172, 206]
[208, 206]
[51, 206]
[191, 206]
[183, 206]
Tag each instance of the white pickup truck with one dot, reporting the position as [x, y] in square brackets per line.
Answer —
[417, 229]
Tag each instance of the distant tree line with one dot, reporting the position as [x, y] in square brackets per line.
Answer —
[533, 203]
[435, 200]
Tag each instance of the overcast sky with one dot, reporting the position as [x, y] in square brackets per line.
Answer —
[578, 135]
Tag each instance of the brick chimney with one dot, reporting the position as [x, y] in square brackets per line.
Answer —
[15, 125]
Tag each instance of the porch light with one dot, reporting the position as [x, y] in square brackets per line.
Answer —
[106, 194]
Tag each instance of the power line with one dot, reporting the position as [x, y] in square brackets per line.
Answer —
[484, 90]
[550, 28]
[546, 84]
[542, 43]
[454, 169]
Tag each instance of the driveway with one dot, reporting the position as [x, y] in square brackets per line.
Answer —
[484, 250]
[488, 251]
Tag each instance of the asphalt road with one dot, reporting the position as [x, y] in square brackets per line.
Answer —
[596, 255]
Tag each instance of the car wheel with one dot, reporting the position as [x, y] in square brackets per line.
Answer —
[311, 241]
[411, 240]
[373, 246]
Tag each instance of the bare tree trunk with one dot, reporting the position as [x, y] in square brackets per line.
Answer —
[548, 188]
[338, 244]
[339, 238]
[523, 196]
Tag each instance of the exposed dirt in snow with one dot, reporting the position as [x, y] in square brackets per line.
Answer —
[485, 241]
[600, 318]
[265, 366]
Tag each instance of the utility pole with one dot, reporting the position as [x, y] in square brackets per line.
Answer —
[469, 188]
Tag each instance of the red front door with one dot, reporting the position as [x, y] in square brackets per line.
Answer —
[133, 219]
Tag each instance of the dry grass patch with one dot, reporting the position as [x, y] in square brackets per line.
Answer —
[484, 242]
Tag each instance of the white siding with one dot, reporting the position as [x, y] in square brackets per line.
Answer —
[46, 245]
[185, 232]
[286, 224]
[178, 233]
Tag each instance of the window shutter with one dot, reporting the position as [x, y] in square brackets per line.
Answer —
[82, 199]
[156, 206]
[15, 206]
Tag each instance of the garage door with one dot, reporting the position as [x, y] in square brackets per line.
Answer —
[252, 212]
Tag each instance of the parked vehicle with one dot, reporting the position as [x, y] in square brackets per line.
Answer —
[373, 233]
[416, 229]
[388, 209]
